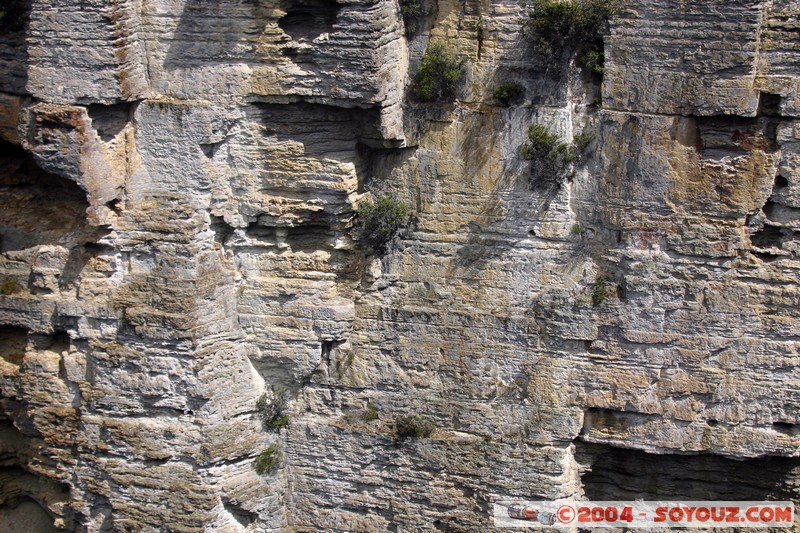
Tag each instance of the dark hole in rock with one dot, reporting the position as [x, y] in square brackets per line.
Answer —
[39, 207]
[13, 341]
[771, 136]
[109, 120]
[259, 232]
[769, 104]
[766, 256]
[17, 167]
[780, 183]
[25, 515]
[326, 347]
[210, 149]
[612, 473]
[222, 230]
[309, 238]
[14, 15]
[770, 208]
[779, 213]
[308, 19]
[786, 428]
[58, 342]
[241, 515]
[771, 237]
[114, 206]
[27, 497]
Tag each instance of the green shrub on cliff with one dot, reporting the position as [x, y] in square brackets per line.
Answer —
[9, 286]
[508, 93]
[378, 223]
[267, 462]
[599, 291]
[550, 156]
[413, 12]
[438, 76]
[272, 413]
[414, 427]
[574, 25]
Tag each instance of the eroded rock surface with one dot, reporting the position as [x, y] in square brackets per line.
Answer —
[179, 180]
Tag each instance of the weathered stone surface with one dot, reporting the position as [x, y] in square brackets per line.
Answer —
[180, 179]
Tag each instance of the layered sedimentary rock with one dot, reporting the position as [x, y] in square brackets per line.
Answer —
[180, 179]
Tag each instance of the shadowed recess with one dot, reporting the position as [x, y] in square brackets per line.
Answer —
[611, 473]
[308, 19]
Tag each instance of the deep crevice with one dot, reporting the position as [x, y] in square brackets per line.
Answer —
[39, 207]
[786, 428]
[612, 473]
[239, 513]
[769, 105]
[13, 341]
[780, 184]
[109, 120]
[771, 237]
[309, 238]
[308, 19]
[222, 230]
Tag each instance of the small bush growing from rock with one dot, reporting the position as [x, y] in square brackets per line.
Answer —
[591, 61]
[574, 25]
[599, 291]
[272, 413]
[583, 140]
[370, 413]
[267, 462]
[540, 142]
[9, 286]
[439, 75]
[413, 12]
[414, 427]
[571, 23]
[379, 222]
[508, 94]
[551, 157]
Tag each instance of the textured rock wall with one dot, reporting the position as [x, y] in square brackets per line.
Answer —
[179, 179]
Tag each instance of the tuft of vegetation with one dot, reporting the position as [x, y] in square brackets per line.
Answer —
[599, 291]
[591, 61]
[414, 427]
[273, 413]
[575, 26]
[540, 142]
[379, 222]
[414, 11]
[267, 462]
[583, 140]
[550, 156]
[9, 286]
[571, 22]
[439, 75]
[508, 94]
[370, 413]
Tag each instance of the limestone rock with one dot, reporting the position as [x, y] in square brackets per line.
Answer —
[180, 180]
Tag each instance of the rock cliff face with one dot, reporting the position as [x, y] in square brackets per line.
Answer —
[179, 180]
